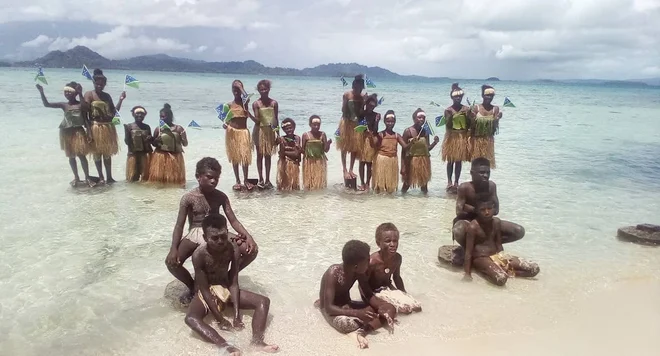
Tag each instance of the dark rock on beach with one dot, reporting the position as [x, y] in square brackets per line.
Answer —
[173, 293]
[451, 254]
[645, 234]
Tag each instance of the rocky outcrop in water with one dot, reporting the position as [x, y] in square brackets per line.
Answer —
[645, 234]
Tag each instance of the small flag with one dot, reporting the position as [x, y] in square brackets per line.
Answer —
[275, 128]
[472, 104]
[117, 119]
[289, 139]
[164, 126]
[132, 82]
[370, 83]
[429, 130]
[337, 133]
[41, 77]
[224, 114]
[440, 121]
[194, 124]
[361, 126]
[380, 101]
[245, 96]
[508, 103]
[434, 103]
[343, 81]
[85, 73]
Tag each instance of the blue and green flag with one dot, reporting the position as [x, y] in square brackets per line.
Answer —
[131, 82]
[343, 81]
[440, 121]
[164, 126]
[117, 119]
[370, 83]
[361, 126]
[508, 103]
[426, 127]
[224, 113]
[41, 77]
[85, 73]
[194, 125]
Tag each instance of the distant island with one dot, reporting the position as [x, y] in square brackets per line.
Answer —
[5, 64]
[493, 79]
[77, 56]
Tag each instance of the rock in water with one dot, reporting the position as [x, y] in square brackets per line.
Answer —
[645, 234]
[173, 293]
[451, 254]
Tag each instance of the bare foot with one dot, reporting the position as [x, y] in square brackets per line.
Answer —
[231, 349]
[225, 325]
[90, 182]
[110, 180]
[361, 339]
[262, 346]
[248, 185]
[317, 303]
[74, 183]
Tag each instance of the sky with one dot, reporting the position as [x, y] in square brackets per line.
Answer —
[509, 39]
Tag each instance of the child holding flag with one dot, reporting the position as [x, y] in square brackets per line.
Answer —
[416, 159]
[265, 120]
[315, 145]
[352, 111]
[455, 147]
[167, 165]
[368, 152]
[74, 130]
[139, 140]
[288, 166]
[486, 124]
[238, 142]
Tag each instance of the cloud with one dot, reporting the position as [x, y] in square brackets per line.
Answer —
[201, 49]
[37, 42]
[119, 42]
[250, 46]
[258, 25]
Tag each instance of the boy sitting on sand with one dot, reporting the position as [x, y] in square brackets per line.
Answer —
[217, 284]
[342, 313]
[385, 268]
[483, 248]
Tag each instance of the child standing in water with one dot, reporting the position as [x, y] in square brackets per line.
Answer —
[368, 152]
[315, 145]
[238, 142]
[352, 110]
[138, 139]
[194, 206]
[265, 119]
[455, 147]
[342, 313]
[217, 286]
[100, 110]
[167, 165]
[74, 130]
[288, 166]
[386, 162]
[486, 125]
[416, 159]
[385, 268]
[484, 251]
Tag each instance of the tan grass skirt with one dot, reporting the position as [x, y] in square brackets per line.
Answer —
[349, 140]
[288, 175]
[73, 142]
[238, 144]
[385, 176]
[484, 146]
[105, 140]
[455, 146]
[315, 173]
[419, 172]
[167, 168]
[137, 165]
[264, 140]
[368, 153]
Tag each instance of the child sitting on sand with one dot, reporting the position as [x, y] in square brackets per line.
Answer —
[194, 206]
[342, 313]
[484, 251]
[385, 268]
[217, 285]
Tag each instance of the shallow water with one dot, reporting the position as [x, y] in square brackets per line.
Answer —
[82, 272]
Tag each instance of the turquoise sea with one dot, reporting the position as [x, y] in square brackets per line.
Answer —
[82, 271]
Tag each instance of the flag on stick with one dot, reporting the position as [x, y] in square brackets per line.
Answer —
[85, 73]
[131, 82]
[194, 124]
[41, 77]
[508, 103]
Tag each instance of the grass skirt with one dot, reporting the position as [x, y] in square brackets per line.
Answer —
[288, 175]
[385, 174]
[484, 146]
[419, 171]
[455, 146]
[73, 142]
[137, 166]
[315, 173]
[349, 140]
[368, 153]
[239, 146]
[402, 301]
[264, 140]
[105, 140]
[167, 168]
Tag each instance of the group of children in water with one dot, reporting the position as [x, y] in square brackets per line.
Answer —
[88, 128]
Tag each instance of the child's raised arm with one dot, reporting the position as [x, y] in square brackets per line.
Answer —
[202, 285]
[396, 275]
[45, 101]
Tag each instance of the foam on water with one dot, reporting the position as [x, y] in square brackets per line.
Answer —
[82, 272]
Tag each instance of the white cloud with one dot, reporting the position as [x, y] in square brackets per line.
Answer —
[37, 42]
[219, 50]
[259, 25]
[201, 49]
[250, 46]
[119, 43]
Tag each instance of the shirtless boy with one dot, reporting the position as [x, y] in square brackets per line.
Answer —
[484, 251]
[385, 268]
[194, 206]
[467, 200]
[217, 285]
[342, 313]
